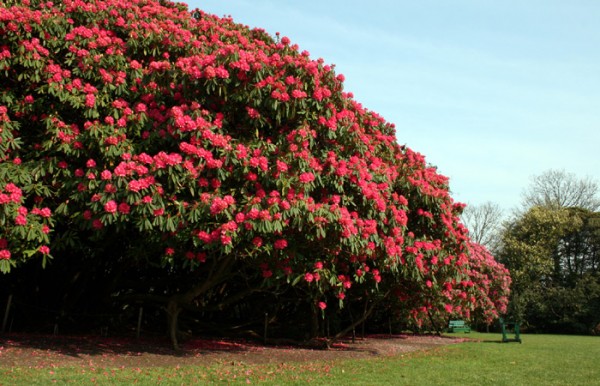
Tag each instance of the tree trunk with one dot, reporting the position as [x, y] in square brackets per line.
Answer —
[314, 325]
[364, 317]
[434, 325]
[352, 324]
[176, 303]
[173, 310]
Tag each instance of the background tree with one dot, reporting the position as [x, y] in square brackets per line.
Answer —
[551, 251]
[484, 223]
[560, 189]
[528, 246]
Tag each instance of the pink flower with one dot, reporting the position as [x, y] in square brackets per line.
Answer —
[4, 254]
[21, 220]
[281, 166]
[90, 100]
[45, 212]
[305, 178]
[44, 250]
[257, 241]
[124, 208]
[134, 186]
[140, 108]
[110, 207]
[15, 192]
[201, 257]
[226, 240]
[218, 205]
[322, 305]
[169, 251]
[309, 277]
[112, 140]
[252, 113]
[280, 244]
[240, 217]
[318, 265]
[204, 236]
[298, 94]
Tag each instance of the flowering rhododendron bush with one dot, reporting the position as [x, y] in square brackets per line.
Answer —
[146, 135]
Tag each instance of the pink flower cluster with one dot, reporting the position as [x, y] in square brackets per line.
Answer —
[10, 194]
[213, 138]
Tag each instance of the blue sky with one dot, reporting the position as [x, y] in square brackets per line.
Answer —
[491, 92]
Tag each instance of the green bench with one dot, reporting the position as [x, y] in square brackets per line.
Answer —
[458, 326]
[506, 327]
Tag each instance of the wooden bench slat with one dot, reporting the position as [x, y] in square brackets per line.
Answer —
[458, 326]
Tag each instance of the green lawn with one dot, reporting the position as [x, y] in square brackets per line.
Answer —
[540, 360]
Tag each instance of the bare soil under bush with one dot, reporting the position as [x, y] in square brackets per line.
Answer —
[27, 350]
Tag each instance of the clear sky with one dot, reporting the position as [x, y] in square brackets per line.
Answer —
[491, 92]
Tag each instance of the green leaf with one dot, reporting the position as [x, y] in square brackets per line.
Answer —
[297, 279]
[6, 265]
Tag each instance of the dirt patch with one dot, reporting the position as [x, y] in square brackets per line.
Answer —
[25, 350]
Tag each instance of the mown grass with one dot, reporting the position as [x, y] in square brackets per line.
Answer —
[540, 360]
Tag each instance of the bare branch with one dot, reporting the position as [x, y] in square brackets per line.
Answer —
[483, 222]
[559, 189]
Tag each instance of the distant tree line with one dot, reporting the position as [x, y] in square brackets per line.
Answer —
[552, 248]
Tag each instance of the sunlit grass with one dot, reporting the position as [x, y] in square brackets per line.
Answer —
[540, 360]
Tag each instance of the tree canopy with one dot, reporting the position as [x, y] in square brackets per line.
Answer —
[192, 160]
[560, 189]
[552, 252]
